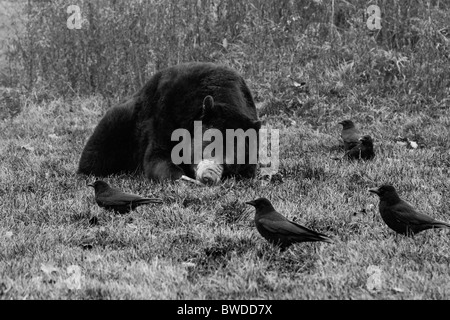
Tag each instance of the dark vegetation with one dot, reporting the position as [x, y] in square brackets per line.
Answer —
[287, 49]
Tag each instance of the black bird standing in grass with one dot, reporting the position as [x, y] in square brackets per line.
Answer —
[278, 230]
[400, 216]
[363, 151]
[350, 135]
[115, 200]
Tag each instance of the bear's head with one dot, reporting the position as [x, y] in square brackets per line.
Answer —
[224, 142]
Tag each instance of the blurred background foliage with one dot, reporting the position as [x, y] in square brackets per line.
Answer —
[285, 48]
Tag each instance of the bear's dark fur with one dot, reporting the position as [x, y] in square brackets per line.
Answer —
[136, 135]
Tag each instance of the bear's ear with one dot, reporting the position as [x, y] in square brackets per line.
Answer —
[208, 104]
[257, 124]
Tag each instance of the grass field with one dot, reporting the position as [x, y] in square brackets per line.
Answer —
[201, 243]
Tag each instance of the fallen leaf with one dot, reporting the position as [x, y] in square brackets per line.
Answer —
[225, 43]
[74, 269]
[48, 269]
[53, 136]
[413, 144]
[359, 214]
[74, 281]
[406, 142]
[51, 273]
[375, 280]
[8, 234]
[88, 241]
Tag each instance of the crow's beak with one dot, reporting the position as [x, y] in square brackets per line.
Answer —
[373, 190]
[252, 203]
[91, 185]
[341, 122]
[156, 200]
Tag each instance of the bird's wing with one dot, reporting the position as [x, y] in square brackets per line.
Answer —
[309, 231]
[405, 213]
[292, 231]
[350, 135]
[353, 153]
[368, 152]
[283, 227]
[360, 151]
[122, 199]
